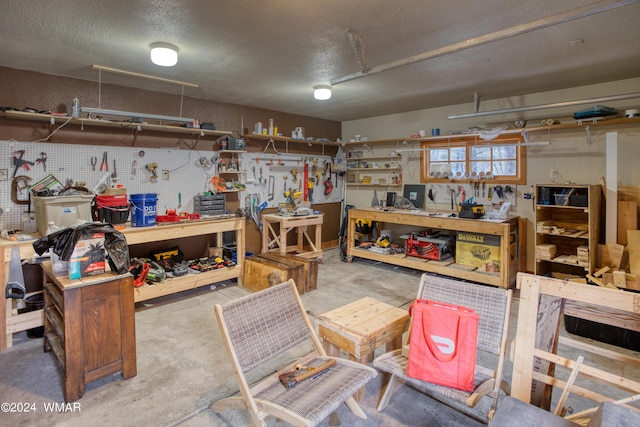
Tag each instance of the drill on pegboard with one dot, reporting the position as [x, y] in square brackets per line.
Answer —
[152, 167]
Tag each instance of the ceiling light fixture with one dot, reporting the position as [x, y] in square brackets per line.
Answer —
[164, 54]
[322, 92]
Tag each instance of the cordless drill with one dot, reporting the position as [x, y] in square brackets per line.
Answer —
[152, 167]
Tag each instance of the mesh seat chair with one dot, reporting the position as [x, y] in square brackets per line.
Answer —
[259, 327]
[493, 306]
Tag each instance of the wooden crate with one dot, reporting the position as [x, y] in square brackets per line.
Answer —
[310, 266]
[262, 273]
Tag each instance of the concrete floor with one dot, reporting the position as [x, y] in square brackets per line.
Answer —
[183, 367]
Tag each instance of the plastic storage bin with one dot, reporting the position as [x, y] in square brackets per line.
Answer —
[63, 211]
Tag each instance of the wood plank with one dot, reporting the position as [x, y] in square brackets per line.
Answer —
[633, 246]
[627, 219]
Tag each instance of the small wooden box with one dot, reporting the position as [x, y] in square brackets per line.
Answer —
[362, 326]
[310, 266]
[262, 273]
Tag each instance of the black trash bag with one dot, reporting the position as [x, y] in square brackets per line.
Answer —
[63, 242]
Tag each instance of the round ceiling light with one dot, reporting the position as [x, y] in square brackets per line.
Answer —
[322, 92]
[164, 54]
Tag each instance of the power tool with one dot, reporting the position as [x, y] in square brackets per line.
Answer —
[152, 167]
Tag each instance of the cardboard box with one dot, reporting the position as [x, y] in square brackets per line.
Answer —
[88, 257]
[478, 250]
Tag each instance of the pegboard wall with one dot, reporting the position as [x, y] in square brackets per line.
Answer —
[188, 172]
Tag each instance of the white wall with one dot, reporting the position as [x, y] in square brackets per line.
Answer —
[568, 153]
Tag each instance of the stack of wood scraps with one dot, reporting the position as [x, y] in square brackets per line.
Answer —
[545, 251]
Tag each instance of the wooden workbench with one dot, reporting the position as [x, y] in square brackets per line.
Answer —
[278, 237]
[504, 229]
[11, 322]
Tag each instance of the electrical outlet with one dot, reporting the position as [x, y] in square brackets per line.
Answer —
[165, 174]
[553, 174]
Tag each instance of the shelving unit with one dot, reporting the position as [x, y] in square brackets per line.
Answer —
[384, 171]
[567, 229]
[505, 230]
[136, 128]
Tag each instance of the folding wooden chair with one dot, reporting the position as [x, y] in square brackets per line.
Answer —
[493, 305]
[263, 325]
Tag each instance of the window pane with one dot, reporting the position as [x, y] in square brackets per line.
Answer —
[458, 168]
[505, 168]
[503, 152]
[478, 167]
[480, 153]
[439, 155]
[458, 153]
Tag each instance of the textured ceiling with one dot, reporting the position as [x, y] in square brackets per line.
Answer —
[270, 54]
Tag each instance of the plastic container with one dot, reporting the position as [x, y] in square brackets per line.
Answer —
[111, 209]
[63, 211]
[143, 209]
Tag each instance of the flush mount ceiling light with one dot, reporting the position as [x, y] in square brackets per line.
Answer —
[164, 54]
[322, 92]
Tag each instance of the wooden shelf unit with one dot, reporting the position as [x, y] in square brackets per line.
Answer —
[11, 322]
[423, 219]
[55, 121]
[568, 227]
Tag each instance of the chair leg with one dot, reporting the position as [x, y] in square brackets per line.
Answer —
[480, 391]
[235, 402]
[391, 387]
[355, 408]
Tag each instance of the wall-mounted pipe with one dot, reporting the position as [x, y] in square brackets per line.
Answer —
[545, 106]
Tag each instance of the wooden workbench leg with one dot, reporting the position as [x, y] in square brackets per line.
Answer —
[74, 354]
[318, 241]
[265, 235]
[283, 239]
[301, 231]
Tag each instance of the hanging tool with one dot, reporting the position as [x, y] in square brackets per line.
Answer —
[294, 174]
[463, 191]
[285, 182]
[151, 167]
[179, 201]
[305, 181]
[114, 174]
[430, 194]
[483, 188]
[328, 185]
[498, 191]
[42, 159]
[19, 162]
[453, 196]
[105, 162]
[134, 167]
[94, 162]
[489, 192]
[15, 285]
[272, 183]
[255, 178]
[18, 185]
[310, 184]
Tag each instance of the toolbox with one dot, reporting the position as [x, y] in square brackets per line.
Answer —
[434, 247]
[211, 204]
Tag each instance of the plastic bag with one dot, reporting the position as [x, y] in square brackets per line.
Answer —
[340, 163]
[62, 243]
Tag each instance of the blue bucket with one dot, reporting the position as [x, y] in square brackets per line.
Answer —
[143, 209]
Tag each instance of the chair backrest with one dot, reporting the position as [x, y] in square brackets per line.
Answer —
[491, 303]
[264, 324]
